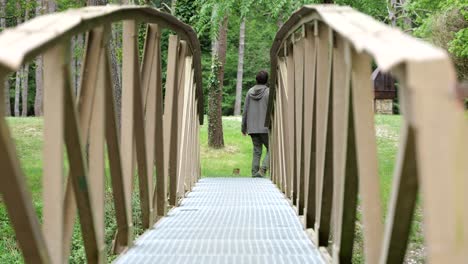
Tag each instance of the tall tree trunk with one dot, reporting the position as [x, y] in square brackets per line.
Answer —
[19, 74]
[240, 69]
[115, 44]
[25, 75]
[6, 90]
[39, 87]
[24, 93]
[73, 68]
[392, 12]
[173, 7]
[79, 42]
[215, 94]
[51, 6]
[39, 67]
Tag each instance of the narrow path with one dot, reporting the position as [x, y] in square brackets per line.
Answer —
[227, 220]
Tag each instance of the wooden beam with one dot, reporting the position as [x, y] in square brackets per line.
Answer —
[170, 118]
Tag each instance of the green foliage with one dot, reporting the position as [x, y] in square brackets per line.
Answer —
[458, 46]
[445, 23]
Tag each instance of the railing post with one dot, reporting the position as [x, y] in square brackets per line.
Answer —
[366, 155]
[170, 118]
[55, 61]
[344, 155]
[310, 68]
[324, 170]
[298, 57]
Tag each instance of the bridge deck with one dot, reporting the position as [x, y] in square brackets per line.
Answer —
[227, 220]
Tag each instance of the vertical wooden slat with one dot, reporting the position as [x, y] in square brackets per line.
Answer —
[170, 117]
[17, 198]
[128, 108]
[140, 135]
[55, 60]
[148, 87]
[366, 153]
[291, 125]
[96, 152]
[442, 154]
[344, 155]
[160, 196]
[310, 61]
[124, 236]
[79, 175]
[286, 175]
[94, 44]
[186, 161]
[324, 172]
[299, 117]
[182, 92]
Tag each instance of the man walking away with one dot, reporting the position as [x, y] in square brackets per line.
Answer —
[253, 122]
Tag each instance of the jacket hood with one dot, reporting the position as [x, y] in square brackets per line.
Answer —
[257, 92]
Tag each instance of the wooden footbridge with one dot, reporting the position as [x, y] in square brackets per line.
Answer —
[323, 146]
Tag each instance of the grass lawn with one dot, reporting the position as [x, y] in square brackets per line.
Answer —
[237, 154]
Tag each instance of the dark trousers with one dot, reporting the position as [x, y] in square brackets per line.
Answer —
[258, 141]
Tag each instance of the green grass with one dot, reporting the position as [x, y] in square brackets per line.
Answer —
[237, 152]
[27, 133]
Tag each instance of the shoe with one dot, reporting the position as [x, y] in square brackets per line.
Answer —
[259, 174]
[262, 172]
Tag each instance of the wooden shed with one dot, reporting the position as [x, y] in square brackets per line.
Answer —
[384, 92]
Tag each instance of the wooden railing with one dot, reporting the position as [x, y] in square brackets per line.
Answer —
[324, 152]
[159, 130]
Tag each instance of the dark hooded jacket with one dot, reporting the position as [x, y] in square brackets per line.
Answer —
[255, 110]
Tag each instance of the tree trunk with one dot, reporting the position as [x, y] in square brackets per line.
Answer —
[407, 21]
[39, 87]
[79, 61]
[6, 90]
[25, 75]
[24, 93]
[116, 43]
[51, 6]
[19, 73]
[392, 13]
[39, 66]
[240, 69]
[173, 7]
[96, 2]
[73, 68]
[215, 93]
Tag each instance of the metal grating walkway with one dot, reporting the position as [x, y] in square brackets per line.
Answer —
[227, 220]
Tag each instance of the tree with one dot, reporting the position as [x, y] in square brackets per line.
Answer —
[7, 83]
[39, 70]
[215, 92]
[19, 73]
[444, 23]
[218, 13]
[240, 68]
[25, 74]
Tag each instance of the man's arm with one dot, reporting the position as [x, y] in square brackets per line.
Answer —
[244, 114]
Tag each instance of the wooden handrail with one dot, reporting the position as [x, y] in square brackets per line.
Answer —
[324, 143]
[156, 136]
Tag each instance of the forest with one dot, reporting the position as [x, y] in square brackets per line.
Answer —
[236, 36]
